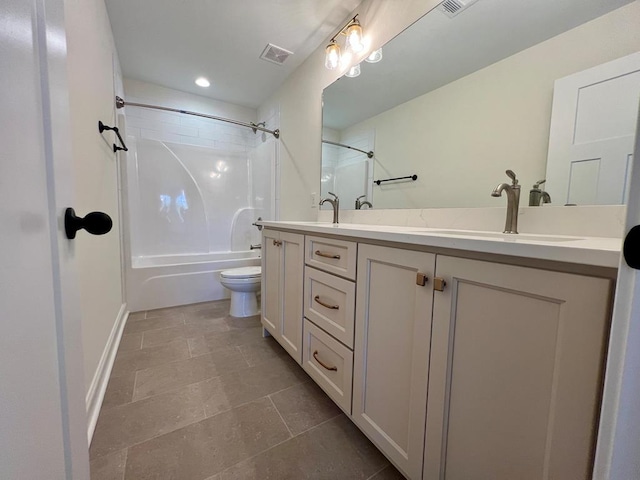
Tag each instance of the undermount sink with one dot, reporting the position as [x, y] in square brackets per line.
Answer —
[501, 236]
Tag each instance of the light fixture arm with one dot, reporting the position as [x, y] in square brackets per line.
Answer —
[353, 21]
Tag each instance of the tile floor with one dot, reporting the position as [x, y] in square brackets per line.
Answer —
[198, 395]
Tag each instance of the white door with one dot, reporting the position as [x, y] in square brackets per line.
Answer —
[291, 285]
[43, 431]
[617, 455]
[592, 130]
[391, 351]
[515, 372]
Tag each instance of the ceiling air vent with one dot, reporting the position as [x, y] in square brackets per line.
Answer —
[275, 54]
[451, 8]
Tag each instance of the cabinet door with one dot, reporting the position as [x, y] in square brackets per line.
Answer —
[516, 372]
[271, 281]
[391, 354]
[291, 286]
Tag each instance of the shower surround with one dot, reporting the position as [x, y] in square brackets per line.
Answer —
[192, 188]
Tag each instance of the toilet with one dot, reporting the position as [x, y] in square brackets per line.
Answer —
[244, 283]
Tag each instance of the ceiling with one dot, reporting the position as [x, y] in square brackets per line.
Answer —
[172, 42]
[437, 50]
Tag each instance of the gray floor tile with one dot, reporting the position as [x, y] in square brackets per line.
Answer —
[119, 391]
[165, 312]
[129, 424]
[235, 388]
[262, 351]
[128, 362]
[217, 309]
[109, 467]
[243, 322]
[389, 473]
[204, 448]
[216, 421]
[133, 316]
[212, 341]
[153, 324]
[304, 406]
[198, 326]
[165, 377]
[335, 450]
[191, 329]
[132, 341]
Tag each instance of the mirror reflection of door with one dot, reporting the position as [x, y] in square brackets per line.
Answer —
[592, 130]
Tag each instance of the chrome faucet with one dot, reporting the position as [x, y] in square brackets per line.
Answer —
[360, 204]
[335, 203]
[513, 201]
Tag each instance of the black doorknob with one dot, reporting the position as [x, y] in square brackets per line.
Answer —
[631, 248]
[96, 223]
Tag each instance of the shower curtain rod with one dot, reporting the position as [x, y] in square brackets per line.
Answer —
[368, 154]
[120, 103]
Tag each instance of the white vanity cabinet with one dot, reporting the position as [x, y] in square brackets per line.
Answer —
[455, 367]
[391, 354]
[282, 288]
[515, 373]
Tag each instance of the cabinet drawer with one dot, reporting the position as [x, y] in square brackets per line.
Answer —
[333, 256]
[329, 302]
[329, 363]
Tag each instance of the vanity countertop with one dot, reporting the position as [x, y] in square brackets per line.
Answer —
[594, 251]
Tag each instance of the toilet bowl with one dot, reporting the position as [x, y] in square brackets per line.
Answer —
[244, 283]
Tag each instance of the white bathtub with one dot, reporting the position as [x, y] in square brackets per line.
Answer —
[169, 280]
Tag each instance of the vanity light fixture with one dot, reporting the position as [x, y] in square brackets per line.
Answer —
[354, 36]
[375, 56]
[332, 57]
[202, 82]
[353, 31]
[353, 72]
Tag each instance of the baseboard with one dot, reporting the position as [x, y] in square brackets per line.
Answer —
[95, 395]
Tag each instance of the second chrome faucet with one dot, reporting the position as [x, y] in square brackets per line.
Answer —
[335, 203]
[513, 201]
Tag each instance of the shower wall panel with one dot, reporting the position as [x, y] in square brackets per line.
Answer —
[194, 185]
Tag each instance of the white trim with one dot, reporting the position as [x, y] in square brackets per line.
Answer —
[95, 395]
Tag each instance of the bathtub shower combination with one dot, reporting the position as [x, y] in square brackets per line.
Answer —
[193, 188]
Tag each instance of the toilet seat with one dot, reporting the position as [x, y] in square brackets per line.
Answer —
[240, 273]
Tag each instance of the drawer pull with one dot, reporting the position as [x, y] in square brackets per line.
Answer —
[327, 255]
[277, 243]
[326, 305]
[315, 355]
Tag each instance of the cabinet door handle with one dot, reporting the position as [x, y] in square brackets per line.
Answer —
[439, 284]
[277, 243]
[327, 255]
[315, 355]
[326, 305]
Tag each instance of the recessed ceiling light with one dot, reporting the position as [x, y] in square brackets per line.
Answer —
[202, 82]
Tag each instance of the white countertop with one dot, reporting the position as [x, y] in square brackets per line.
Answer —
[595, 251]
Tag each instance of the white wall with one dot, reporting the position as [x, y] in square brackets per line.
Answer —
[300, 102]
[144, 92]
[467, 133]
[93, 81]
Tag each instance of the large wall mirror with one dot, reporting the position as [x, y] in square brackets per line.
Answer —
[457, 100]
